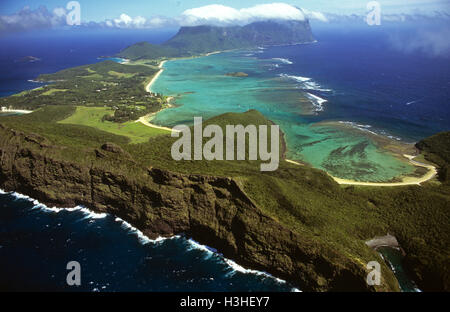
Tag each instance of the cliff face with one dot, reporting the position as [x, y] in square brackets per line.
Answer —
[213, 210]
[201, 39]
[206, 38]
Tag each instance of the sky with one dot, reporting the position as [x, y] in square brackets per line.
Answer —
[99, 10]
[24, 15]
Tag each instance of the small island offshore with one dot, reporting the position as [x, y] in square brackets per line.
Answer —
[88, 138]
[237, 74]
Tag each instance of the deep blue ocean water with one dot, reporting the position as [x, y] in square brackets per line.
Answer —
[36, 244]
[371, 83]
[367, 80]
[57, 50]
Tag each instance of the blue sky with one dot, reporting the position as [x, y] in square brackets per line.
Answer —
[99, 10]
[28, 15]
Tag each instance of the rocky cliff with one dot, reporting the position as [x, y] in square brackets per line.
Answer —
[213, 210]
[205, 38]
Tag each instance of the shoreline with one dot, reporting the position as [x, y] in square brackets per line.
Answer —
[145, 120]
[18, 111]
[432, 170]
[432, 173]
[161, 69]
[143, 239]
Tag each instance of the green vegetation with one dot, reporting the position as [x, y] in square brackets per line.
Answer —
[87, 106]
[93, 117]
[145, 50]
[103, 84]
[437, 150]
[52, 91]
[204, 39]
[304, 199]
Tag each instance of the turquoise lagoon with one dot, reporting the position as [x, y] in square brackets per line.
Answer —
[296, 103]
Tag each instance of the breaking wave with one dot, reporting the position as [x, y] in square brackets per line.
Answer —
[316, 101]
[283, 60]
[143, 239]
[370, 129]
[305, 83]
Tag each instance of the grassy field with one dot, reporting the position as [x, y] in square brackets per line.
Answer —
[52, 91]
[92, 117]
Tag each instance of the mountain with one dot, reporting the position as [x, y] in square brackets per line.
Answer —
[205, 39]
[146, 50]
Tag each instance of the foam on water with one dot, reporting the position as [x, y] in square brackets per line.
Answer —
[233, 265]
[296, 78]
[305, 83]
[141, 236]
[283, 60]
[370, 129]
[237, 268]
[143, 239]
[316, 101]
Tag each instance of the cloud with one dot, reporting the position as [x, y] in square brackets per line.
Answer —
[433, 42]
[412, 18]
[138, 22]
[217, 14]
[27, 19]
[42, 18]
[315, 15]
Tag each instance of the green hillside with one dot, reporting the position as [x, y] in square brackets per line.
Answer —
[437, 150]
[145, 50]
[204, 39]
[334, 222]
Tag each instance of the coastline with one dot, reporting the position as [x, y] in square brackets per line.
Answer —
[143, 239]
[18, 111]
[145, 120]
[161, 69]
[432, 173]
[383, 142]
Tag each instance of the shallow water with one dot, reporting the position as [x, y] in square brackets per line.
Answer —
[394, 259]
[203, 89]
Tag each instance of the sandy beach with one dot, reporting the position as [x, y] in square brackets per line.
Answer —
[161, 69]
[145, 120]
[293, 162]
[18, 111]
[432, 172]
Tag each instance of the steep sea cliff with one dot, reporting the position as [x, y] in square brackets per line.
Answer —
[213, 210]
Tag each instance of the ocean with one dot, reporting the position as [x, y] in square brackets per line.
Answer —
[37, 242]
[57, 50]
[325, 96]
[328, 98]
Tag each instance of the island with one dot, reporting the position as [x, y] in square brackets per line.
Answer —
[237, 74]
[83, 144]
[29, 59]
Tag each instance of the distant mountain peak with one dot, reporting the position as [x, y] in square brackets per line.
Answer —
[192, 40]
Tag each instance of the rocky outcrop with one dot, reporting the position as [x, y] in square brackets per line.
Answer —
[213, 210]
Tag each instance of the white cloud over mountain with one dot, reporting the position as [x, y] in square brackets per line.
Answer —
[216, 14]
[42, 18]
[223, 15]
